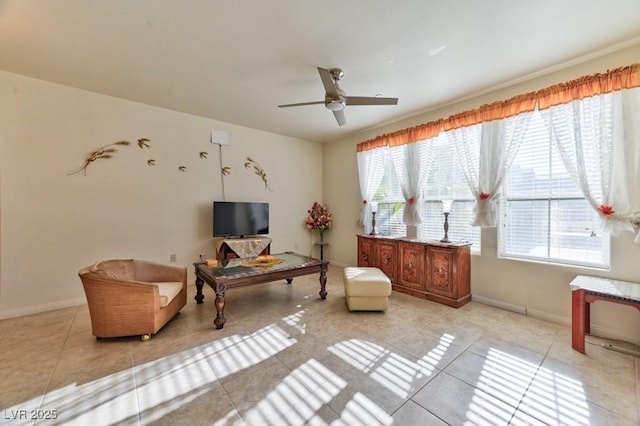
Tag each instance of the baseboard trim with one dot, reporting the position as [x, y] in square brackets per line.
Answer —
[38, 309]
[498, 304]
[557, 319]
[596, 330]
[339, 264]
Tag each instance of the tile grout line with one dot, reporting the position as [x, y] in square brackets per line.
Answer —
[55, 367]
[135, 382]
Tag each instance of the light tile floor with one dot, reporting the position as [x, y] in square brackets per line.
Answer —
[285, 357]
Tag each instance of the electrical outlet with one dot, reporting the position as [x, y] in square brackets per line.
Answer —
[173, 258]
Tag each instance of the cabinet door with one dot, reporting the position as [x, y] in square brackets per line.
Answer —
[366, 252]
[387, 258]
[441, 274]
[412, 258]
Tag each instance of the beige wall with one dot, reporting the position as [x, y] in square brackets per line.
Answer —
[541, 289]
[52, 224]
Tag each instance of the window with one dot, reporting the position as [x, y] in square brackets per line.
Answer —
[445, 181]
[390, 204]
[545, 217]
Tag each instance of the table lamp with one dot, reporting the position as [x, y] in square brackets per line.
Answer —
[446, 208]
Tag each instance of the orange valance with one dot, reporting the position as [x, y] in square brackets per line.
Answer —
[404, 136]
[583, 87]
[617, 79]
[494, 111]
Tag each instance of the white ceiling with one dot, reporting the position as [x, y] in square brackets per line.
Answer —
[234, 61]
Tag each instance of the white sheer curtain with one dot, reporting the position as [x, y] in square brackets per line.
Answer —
[485, 153]
[412, 168]
[599, 140]
[370, 172]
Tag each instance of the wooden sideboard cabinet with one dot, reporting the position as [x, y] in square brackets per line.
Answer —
[429, 269]
[411, 275]
[449, 274]
[387, 258]
[366, 252]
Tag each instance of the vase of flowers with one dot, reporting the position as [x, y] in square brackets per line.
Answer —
[319, 219]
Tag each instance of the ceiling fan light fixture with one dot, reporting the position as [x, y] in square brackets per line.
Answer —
[335, 105]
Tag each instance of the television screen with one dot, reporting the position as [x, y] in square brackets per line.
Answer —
[240, 219]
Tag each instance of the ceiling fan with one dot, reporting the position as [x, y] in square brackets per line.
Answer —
[335, 99]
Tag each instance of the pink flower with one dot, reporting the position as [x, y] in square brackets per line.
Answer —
[411, 200]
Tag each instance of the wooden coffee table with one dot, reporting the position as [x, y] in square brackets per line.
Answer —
[235, 274]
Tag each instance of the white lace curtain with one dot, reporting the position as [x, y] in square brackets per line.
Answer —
[599, 140]
[370, 172]
[485, 153]
[412, 167]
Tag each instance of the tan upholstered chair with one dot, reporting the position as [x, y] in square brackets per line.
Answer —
[132, 297]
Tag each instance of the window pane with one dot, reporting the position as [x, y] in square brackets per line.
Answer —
[389, 219]
[544, 215]
[390, 204]
[445, 181]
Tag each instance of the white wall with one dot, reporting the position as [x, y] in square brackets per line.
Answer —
[542, 289]
[52, 224]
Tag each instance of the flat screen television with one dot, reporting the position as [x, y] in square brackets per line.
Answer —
[240, 219]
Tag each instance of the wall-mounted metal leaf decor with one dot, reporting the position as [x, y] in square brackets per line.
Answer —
[257, 169]
[203, 154]
[143, 143]
[104, 152]
[182, 168]
[151, 162]
[226, 171]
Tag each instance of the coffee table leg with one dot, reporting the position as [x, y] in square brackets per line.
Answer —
[289, 280]
[199, 296]
[220, 319]
[323, 284]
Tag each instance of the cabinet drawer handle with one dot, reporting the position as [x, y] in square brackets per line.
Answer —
[440, 270]
[410, 265]
[385, 261]
[365, 257]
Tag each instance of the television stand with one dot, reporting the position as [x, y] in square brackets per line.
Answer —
[231, 248]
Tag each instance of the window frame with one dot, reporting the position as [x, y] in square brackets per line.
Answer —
[551, 197]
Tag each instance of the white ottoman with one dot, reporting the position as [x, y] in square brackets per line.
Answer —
[367, 289]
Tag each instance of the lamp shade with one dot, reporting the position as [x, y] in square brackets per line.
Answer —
[446, 206]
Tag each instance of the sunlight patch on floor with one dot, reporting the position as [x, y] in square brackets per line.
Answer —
[506, 376]
[397, 373]
[298, 397]
[558, 399]
[235, 353]
[361, 411]
[161, 386]
[166, 384]
[434, 357]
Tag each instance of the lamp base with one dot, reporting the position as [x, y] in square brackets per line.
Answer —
[446, 229]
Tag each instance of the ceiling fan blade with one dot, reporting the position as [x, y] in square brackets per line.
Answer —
[327, 82]
[369, 100]
[301, 104]
[340, 117]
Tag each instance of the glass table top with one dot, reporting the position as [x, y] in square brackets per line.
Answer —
[249, 266]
